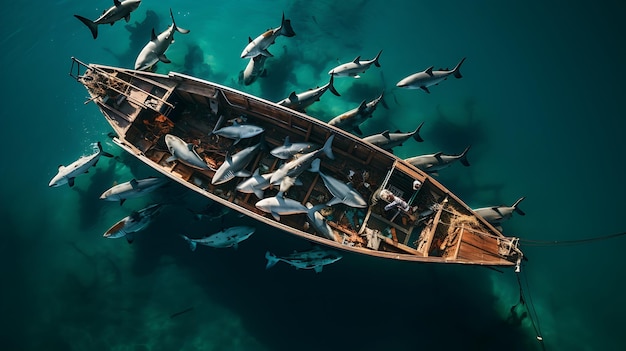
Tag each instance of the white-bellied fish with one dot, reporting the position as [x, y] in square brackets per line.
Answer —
[184, 152]
[288, 149]
[422, 80]
[234, 166]
[67, 173]
[352, 69]
[388, 141]
[279, 205]
[351, 120]
[119, 10]
[136, 221]
[132, 189]
[259, 45]
[315, 259]
[154, 51]
[229, 237]
[318, 221]
[254, 69]
[299, 164]
[256, 184]
[433, 163]
[300, 102]
[498, 214]
[236, 131]
[342, 192]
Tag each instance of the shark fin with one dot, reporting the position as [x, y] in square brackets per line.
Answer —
[333, 201]
[276, 216]
[386, 134]
[259, 193]
[70, 181]
[357, 130]
[133, 183]
[429, 70]
[122, 201]
[170, 159]
[93, 27]
[266, 53]
[425, 89]
[164, 59]
[356, 60]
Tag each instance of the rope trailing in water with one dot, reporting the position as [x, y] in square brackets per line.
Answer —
[568, 242]
[534, 319]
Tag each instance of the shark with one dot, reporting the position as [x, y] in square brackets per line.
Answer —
[315, 259]
[259, 45]
[136, 221]
[288, 149]
[342, 192]
[279, 205]
[318, 221]
[154, 51]
[256, 184]
[388, 141]
[228, 237]
[427, 78]
[119, 10]
[498, 214]
[184, 152]
[132, 189]
[351, 120]
[236, 131]
[67, 174]
[352, 69]
[254, 69]
[301, 101]
[290, 170]
[234, 166]
[433, 163]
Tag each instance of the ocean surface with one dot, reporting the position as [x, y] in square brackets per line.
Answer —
[541, 102]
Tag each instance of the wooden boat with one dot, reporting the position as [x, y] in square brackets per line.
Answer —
[143, 107]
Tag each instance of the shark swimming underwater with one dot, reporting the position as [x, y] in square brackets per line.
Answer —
[132, 189]
[259, 45]
[154, 51]
[66, 174]
[427, 78]
[228, 237]
[315, 259]
[352, 69]
[119, 10]
[388, 141]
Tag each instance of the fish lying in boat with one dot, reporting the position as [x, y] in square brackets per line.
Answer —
[289, 171]
[388, 141]
[236, 131]
[136, 221]
[498, 214]
[254, 69]
[132, 189]
[229, 237]
[234, 166]
[184, 152]
[119, 10]
[315, 258]
[300, 102]
[351, 120]
[67, 173]
[259, 45]
[342, 192]
[288, 149]
[154, 51]
[318, 221]
[352, 69]
[427, 78]
[279, 205]
[433, 163]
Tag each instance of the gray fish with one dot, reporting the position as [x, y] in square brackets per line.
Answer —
[388, 141]
[229, 237]
[300, 102]
[234, 166]
[342, 192]
[352, 69]
[135, 222]
[236, 131]
[288, 149]
[132, 189]
[183, 152]
[278, 205]
[433, 163]
[154, 51]
[427, 78]
[259, 45]
[119, 10]
[498, 214]
[66, 174]
[315, 258]
[351, 120]
[318, 221]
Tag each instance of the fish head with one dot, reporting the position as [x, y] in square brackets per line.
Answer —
[57, 181]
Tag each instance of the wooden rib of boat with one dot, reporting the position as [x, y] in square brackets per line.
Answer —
[143, 107]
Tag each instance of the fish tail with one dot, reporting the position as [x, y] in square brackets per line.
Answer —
[376, 63]
[93, 27]
[331, 87]
[457, 69]
[519, 211]
[328, 147]
[463, 160]
[103, 153]
[177, 28]
[416, 133]
[315, 166]
[271, 260]
[285, 28]
[192, 244]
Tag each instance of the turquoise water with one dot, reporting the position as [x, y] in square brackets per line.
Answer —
[540, 103]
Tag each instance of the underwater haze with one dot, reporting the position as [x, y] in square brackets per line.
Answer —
[541, 103]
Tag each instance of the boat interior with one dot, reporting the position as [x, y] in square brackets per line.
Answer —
[143, 107]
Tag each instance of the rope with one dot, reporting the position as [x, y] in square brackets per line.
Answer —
[532, 312]
[568, 242]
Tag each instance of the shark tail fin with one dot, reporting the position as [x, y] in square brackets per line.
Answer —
[176, 28]
[457, 69]
[331, 87]
[315, 166]
[93, 27]
[104, 153]
[192, 244]
[517, 209]
[416, 133]
[219, 123]
[328, 147]
[271, 260]
[463, 159]
[285, 28]
[376, 63]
